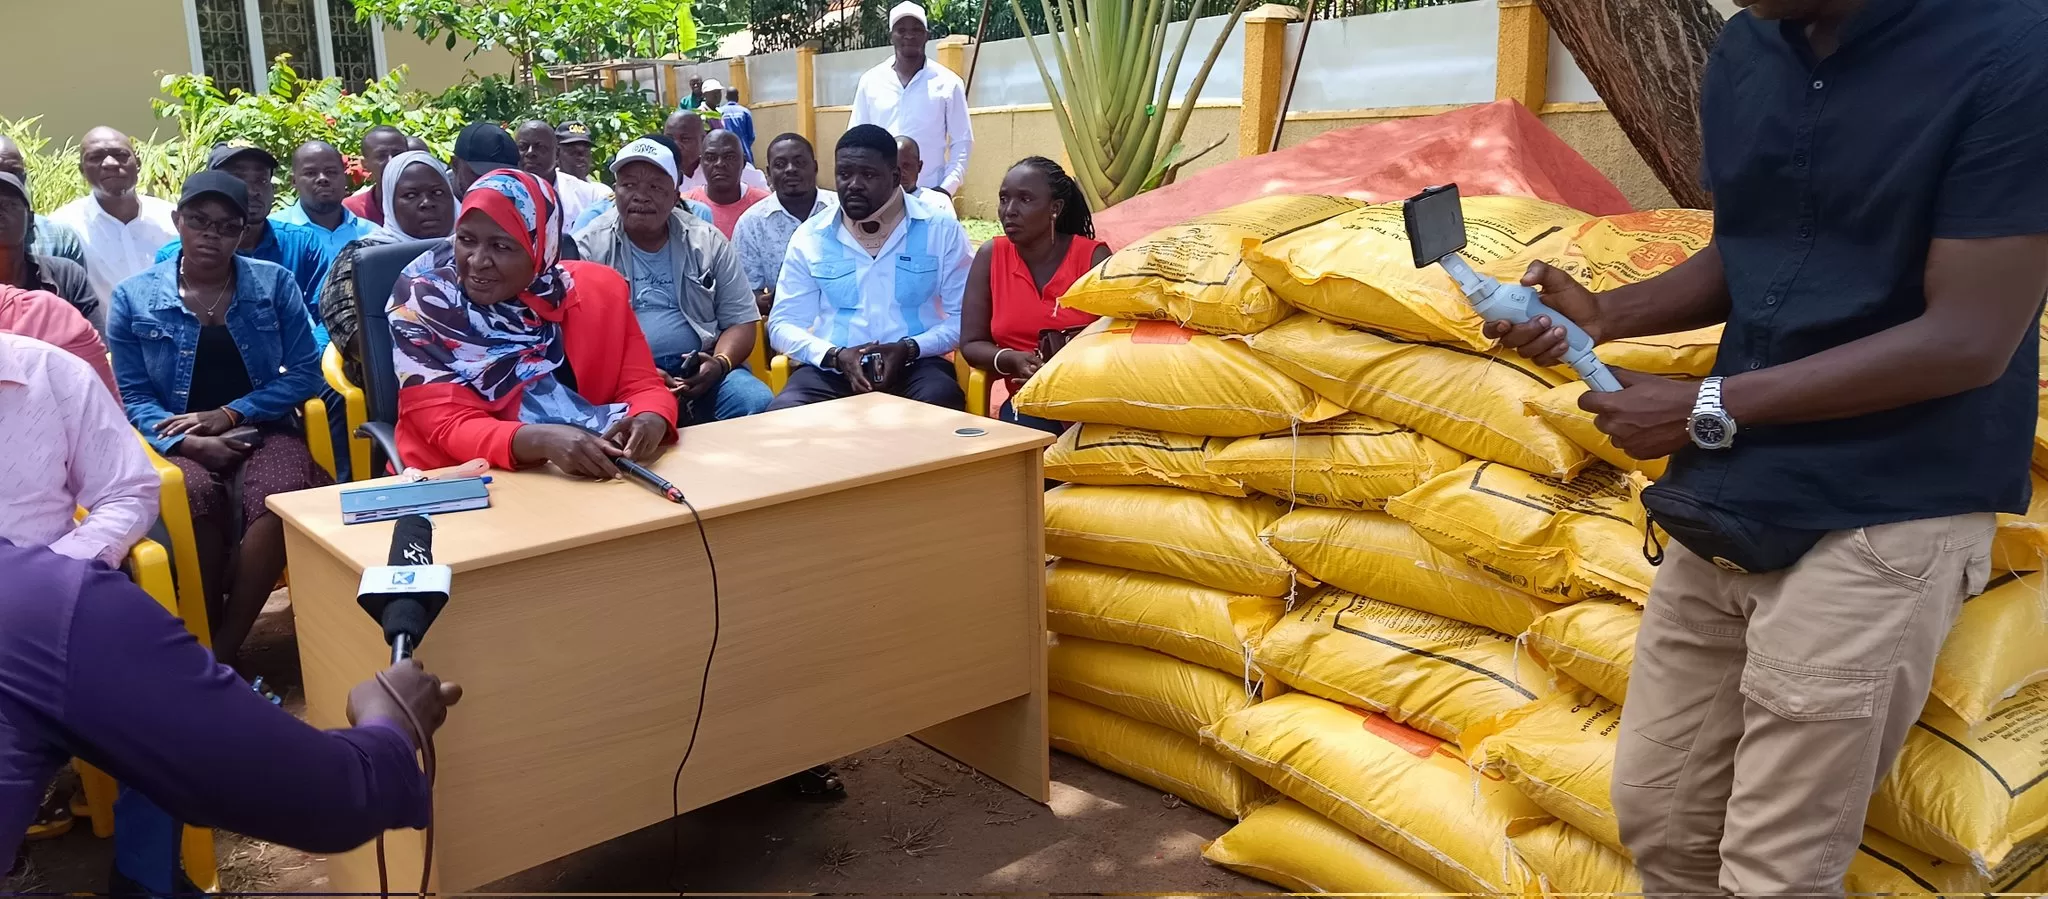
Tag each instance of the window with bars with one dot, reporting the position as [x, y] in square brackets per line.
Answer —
[235, 40]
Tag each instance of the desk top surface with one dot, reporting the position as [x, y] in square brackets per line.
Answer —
[723, 467]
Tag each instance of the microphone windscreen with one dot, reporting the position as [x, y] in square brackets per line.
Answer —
[412, 541]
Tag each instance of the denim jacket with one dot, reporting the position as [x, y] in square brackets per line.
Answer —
[155, 339]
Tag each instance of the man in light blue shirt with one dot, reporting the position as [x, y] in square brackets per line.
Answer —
[321, 180]
[869, 295]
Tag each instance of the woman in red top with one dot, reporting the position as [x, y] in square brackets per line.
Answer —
[506, 353]
[1014, 289]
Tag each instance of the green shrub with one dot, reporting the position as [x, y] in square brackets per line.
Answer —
[615, 116]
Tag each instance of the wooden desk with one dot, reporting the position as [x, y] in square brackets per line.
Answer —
[879, 575]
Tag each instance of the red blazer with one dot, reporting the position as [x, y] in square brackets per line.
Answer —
[449, 424]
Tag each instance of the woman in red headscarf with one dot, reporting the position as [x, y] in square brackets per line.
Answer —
[504, 352]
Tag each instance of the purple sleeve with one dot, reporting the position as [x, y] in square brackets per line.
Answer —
[150, 706]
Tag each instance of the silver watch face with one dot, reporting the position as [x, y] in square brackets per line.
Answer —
[1711, 431]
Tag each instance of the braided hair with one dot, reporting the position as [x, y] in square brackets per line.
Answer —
[1074, 217]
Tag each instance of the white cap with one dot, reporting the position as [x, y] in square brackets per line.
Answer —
[712, 84]
[646, 150]
[906, 8]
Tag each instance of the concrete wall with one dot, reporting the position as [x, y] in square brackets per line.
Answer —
[771, 118]
[81, 63]
[433, 68]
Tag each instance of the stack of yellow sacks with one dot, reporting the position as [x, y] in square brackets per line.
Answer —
[1296, 411]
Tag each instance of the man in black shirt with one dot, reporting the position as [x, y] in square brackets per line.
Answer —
[1880, 255]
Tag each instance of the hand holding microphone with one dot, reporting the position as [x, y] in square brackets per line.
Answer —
[414, 695]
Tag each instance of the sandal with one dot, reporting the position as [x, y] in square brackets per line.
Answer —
[820, 783]
[54, 819]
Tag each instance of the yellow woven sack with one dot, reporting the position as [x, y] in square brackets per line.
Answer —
[1593, 643]
[1113, 455]
[1561, 540]
[1560, 752]
[1998, 644]
[1612, 250]
[1426, 671]
[2021, 542]
[1348, 462]
[1289, 846]
[1470, 400]
[1356, 268]
[1138, 683]
[1967, 796]
[1211, 540]
[1686, 354]
[1372, 554]
[1192, 273]
[1559, 407]
[1161, 377]
[1405, 791]
[1181, 618]
[2041, 404]
[1568, 862]
[1154, 756]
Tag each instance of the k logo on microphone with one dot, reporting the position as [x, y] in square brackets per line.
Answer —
[401, 578]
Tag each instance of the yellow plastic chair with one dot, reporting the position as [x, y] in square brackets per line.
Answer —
[973, 381]
[757, 361]
[354, 410]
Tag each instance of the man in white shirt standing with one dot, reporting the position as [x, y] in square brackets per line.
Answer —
[120, 228]
[911, 96]
[910, 167]
[869, 294]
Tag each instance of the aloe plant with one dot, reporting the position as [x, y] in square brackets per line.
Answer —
[1111, 102]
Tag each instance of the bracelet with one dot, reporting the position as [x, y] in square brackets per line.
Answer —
[721, 357]
[234, 418]
[997, 361]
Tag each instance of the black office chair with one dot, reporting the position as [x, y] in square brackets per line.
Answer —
[377, 271]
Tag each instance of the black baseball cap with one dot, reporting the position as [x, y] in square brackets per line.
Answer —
[216, 184]
[572, 133]
[224, 154]
[486, 147]
[8, 178]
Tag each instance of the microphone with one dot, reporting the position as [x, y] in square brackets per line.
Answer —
[406, 595]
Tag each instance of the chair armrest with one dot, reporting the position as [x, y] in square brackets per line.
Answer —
[386, 438]
[319, 440]
[757, 361]
[354, 409]
[175, 508]
[778, 373]
[976, 387]
[150, 566]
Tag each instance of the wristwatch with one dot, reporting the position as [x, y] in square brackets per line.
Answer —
[831, 361]
[1711, 427]
[910, 344]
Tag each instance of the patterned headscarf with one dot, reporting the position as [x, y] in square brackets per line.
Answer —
[439, 336]
[387, 189]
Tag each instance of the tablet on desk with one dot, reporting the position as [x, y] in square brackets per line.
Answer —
[388, 501]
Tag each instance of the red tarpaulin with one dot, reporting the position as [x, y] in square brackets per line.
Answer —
[1497, 148]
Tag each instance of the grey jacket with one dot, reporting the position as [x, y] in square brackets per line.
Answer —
[714, 291]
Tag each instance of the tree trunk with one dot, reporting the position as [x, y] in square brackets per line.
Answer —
[1646, 58]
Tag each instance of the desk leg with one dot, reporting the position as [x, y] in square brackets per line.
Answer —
[1009, 741]
[1006, 741]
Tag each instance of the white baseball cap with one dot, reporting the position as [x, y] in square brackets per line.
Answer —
[713, 84]
[646, 150]
[906, 8]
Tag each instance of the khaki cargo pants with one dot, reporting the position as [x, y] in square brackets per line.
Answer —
[1764, 708]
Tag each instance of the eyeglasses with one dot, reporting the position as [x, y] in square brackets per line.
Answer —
[229, 228]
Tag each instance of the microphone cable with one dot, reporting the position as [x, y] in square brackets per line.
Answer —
[427, 755]
[676, 784]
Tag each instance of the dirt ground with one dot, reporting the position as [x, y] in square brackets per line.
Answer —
[913, 822]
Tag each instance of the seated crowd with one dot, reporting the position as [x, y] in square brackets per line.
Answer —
[519, 338]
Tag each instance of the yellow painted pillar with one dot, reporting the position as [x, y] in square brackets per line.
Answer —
[1524, 54]
[609, 76]
[953, 54]
[1265, 75]
[806, 94]
[671, 85]
[737, 79]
